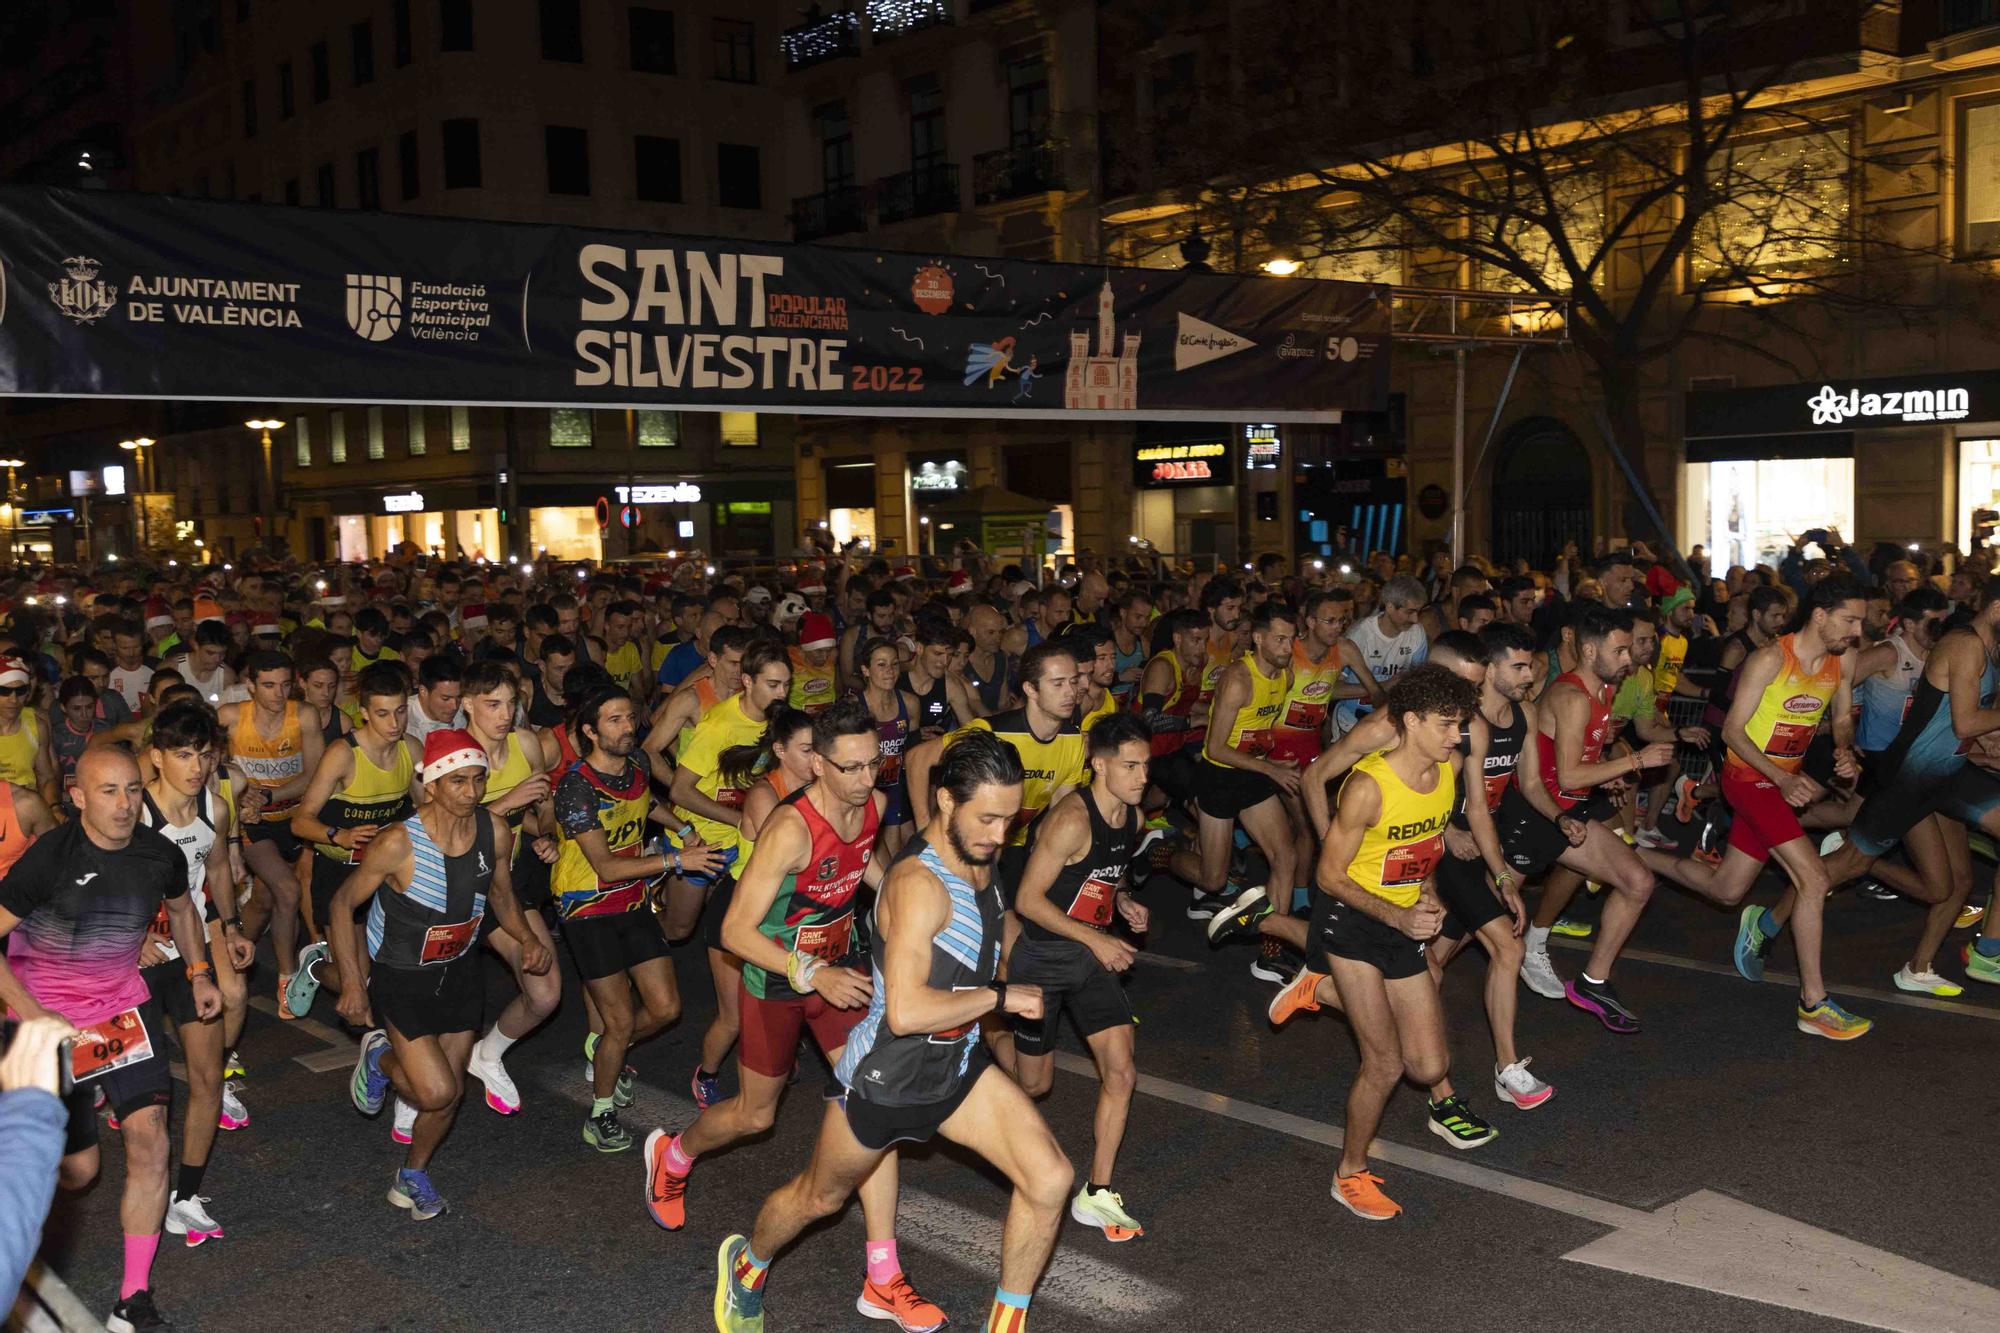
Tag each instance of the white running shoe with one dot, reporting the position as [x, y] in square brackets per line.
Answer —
[187, 1217]
[1515, 1084]
[501, 1094]
[406, 1121]
[1654, 840]
[1539, 974]
[234, 1114]
[1105, 1211]
[1926, 983]
[1832, 842]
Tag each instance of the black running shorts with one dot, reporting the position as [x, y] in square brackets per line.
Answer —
[604, 946]
[428, 1001]
[1469, 902]
[1347, 932]
[1071, 978]
[127, 1091]
[1224, 793]
[879, 1128]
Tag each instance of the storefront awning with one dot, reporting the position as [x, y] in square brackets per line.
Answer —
[1836, 405]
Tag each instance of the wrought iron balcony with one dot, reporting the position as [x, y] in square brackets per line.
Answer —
[917, 193]
[1016, 173]
[819, 39]
[829, 213]
[890, 19]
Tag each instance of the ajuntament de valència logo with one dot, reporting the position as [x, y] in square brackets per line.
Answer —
[83, 296]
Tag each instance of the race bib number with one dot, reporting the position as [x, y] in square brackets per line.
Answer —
[161, 927]
[442, 944]
[118, 1041]
[826, 940]
[1092, 904]
[733, 797]
[1496, 787]
[1789, 740]
[1256, 744]
[1303, 716]
[1413, 862]
[891, 770]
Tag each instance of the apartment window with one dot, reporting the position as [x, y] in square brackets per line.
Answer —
[292, 191]
[562, 30]
[568, 151]
[323, 186]
[286, 104]
[406, 163]
[249, 108]
[375, 445]
[461, 429]
[1027, 102]
[739, 175]
[399, 29]
[454, 25]
[1979, 179]
[739, 429]
[658, 428]
[413, 432]
[735, 54]
[657, 168]
[361, 37]
[836, 145]
[926, 125]
[461, 154]
[322, 71]
[652, 33]
[302, 441]
[569, 428]
[336, 437]
[1785, 208]
[368, 179]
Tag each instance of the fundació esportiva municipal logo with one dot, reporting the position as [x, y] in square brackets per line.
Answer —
[374, 305]
[83, 296]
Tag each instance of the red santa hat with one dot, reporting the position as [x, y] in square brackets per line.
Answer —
[472, 616]
[13, 671]
[811, 582]
[449, 749]
[816, 631]
[904, 572]
[263, 623]
[959, 582]
[158, 615]
[207, 608]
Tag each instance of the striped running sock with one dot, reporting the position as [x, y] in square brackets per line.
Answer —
[1010, 1312]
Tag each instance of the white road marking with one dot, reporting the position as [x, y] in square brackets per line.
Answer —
[967, 1239]
[1706, 1240]
[1791, 982]
[341, 1049]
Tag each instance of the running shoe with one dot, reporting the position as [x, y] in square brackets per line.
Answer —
[1240, 916]
[111, 1122]
[1538, 973]
[234, 1114]
[738, 1309]
[1597, 997]
[284, 997]
[403, 1126]
[1454, 1122]
[501, 1094]
[1359, 1194]
[1296, 998]
[1753, 946]
[1827, 1019]
[189, 1217]
[706, 1087]
[1653, 840]
[1926, 983]
[370, 1085]
[135, 1314]
[1684, 799]
[897, 1302]
[1980, 966]
[1832, 842]
[1515, 1084]
[1875, 890]
[1105, 1210]
[625, 1091]
[232, 1066]
[1969, 916]
[666, 1193]
[413, 1190]
[1269, 964]
[604, 1133]
[1572, 929]
[1203, 906]
[303, 986]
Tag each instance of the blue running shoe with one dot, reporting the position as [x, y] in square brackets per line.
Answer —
[413, 1190]
[738, 1309]
[1753, 946]
[303, 988]
[707, 1088]
[370, 1086]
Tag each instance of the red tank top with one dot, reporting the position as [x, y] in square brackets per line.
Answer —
[823, 893]
[1187, 693]
[1595, 735]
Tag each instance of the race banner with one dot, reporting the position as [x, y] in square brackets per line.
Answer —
[148, 296]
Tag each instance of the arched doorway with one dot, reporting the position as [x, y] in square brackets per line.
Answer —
[1541, 492]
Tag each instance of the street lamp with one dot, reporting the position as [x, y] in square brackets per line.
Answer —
[139, 447]
[266, 425]
[12, 514]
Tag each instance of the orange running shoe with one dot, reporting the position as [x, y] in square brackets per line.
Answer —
[284, 1004]
[666, 1193]
[1296, 997]
[1361, 1198]
[897, 1302]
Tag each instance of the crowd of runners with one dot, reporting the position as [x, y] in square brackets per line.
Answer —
[918, 815]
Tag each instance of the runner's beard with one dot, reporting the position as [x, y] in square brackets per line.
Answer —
[963, 852]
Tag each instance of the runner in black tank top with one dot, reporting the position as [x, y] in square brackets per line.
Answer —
[1070, 899]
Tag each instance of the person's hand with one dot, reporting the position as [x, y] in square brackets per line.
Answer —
[1424, 919]
[1023, 999]
[207, 997]
[1286, 776]
[31, 1060]
[151, 950]
[1695, 736]
[1112, 954]
[842, 987]
[698, 857]
[1460, 842]
[241, 951]
[1800, 791]
[353, 1006]
[253, 798]
[1576, 830]
[546, 849]
[522, 795]
[1510, 898]
[1846, 763]
[1137, 915]
[358, 837]
[1656, 754]
[536, 960]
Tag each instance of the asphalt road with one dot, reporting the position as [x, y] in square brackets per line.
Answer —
[1838, 1176]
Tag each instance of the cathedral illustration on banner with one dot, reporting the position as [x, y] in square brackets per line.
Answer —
[1107, 380]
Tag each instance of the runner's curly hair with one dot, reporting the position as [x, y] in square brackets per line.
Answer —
[1431, 690]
